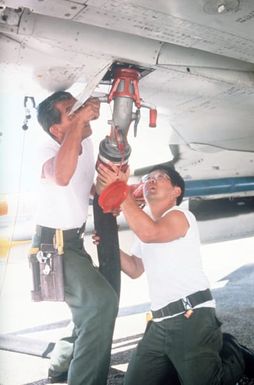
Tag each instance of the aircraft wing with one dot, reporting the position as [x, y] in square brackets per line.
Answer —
[196, 60]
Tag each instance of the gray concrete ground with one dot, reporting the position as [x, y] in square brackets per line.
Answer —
[28, 330]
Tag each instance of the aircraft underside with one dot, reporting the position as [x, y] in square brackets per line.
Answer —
[196, 61]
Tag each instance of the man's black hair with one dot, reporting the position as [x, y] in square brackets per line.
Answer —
[175, 178]
[47, 114]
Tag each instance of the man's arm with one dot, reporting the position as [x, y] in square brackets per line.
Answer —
[131, 265]
[61, 168]
[168, 228]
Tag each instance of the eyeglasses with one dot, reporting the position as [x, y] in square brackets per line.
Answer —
[160, 176]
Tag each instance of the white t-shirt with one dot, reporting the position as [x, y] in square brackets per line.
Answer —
[66, 207]
[174, 269]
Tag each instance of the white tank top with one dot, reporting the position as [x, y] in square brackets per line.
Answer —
[66, 207]
[174, 269]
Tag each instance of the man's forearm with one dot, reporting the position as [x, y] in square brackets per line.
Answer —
[67, 158]
[137, 219]
[131, 265]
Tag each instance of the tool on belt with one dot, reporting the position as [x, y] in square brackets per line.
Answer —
[46, 262]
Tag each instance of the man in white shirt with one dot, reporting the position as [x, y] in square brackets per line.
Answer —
[183, 343]
[67, 175]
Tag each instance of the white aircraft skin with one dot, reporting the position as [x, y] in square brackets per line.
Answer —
[196, 60]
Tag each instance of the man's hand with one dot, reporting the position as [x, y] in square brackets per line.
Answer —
[136, 191]
[80, 119]
[109, 174]
[91, 109]
[96, 239]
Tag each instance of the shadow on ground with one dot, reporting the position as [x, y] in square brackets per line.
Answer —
[235, 304]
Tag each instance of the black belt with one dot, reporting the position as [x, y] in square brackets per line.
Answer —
[183, 304]
[47, 233]
[74, 233]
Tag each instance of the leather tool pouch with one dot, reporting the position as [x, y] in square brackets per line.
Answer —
[46, 263]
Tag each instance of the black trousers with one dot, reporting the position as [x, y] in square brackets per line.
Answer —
[184, 351]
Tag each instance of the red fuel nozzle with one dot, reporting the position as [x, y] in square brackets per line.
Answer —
[115, 148]
[126, 85]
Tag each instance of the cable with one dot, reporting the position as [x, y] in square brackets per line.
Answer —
[20, 176]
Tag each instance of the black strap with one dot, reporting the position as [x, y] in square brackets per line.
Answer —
[183, 304]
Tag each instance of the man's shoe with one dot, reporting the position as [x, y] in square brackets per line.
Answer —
[248, 355]
[245, 381]
[57, 379]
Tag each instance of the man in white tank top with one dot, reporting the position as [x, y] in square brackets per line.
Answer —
[67, 176]
[183, 344]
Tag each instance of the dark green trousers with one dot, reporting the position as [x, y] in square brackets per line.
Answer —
[94, 305]
[183, 351]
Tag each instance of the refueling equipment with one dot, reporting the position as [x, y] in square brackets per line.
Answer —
[115, 147]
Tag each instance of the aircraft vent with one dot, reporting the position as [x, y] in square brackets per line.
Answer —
[109, 76]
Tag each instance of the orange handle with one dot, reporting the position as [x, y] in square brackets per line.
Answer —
[153, 118]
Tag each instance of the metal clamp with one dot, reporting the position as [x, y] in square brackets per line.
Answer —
[187, 306]
[43, 257]
[186, 303]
